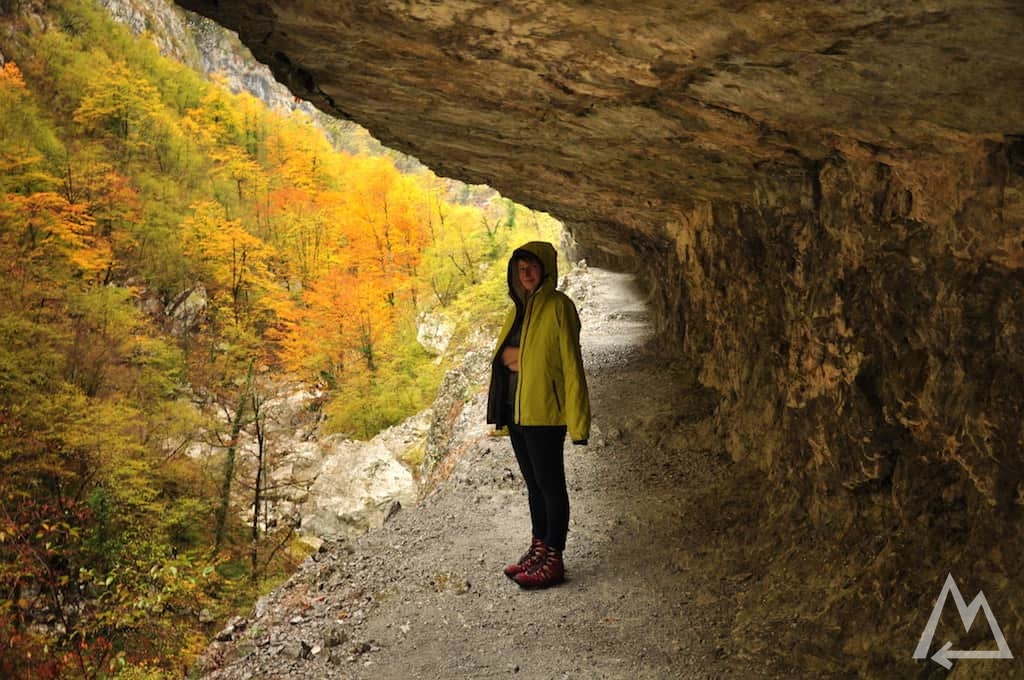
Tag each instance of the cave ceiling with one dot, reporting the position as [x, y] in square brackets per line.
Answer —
[619, 116]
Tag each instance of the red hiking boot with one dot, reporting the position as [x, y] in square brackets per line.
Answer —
[547, 573]
[532, 557]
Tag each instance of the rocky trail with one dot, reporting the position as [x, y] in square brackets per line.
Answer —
[656, 560]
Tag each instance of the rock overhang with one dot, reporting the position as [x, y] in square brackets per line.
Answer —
[619, 117]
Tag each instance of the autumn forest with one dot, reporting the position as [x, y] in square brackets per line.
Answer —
[172, 251]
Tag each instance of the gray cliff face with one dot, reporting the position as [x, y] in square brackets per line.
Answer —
[203, 45]
[166, 23]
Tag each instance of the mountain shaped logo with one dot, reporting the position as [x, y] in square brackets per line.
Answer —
[967, 615]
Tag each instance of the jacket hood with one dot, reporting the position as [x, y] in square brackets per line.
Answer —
[548, 256]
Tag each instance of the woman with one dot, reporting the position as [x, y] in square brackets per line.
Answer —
[538, 392]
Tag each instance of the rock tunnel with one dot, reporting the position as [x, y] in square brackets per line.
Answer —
[824, 200]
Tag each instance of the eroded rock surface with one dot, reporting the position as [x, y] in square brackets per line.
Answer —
[825, 200]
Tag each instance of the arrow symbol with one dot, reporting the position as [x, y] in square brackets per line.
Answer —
[943, 656]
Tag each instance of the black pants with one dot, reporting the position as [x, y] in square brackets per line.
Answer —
[539, 450]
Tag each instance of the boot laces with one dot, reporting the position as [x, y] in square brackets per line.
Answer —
[545, 568]
[534, 554]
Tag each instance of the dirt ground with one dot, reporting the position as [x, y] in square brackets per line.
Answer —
[659, 577]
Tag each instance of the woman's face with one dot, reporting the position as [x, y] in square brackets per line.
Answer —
[529, 275]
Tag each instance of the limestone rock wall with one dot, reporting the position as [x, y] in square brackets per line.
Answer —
[868, 337]
[864, 326]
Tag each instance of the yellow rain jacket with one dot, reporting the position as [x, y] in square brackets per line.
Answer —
[551, 386]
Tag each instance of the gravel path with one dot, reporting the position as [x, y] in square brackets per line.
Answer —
[655, 570]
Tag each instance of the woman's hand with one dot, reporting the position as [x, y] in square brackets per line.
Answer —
[510, 357]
